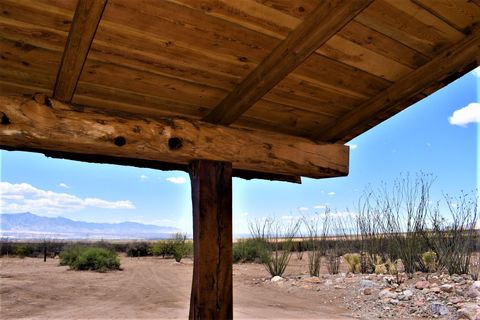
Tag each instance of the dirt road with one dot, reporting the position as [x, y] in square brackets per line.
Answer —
[147, 288]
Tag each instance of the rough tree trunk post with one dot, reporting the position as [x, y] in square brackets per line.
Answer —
[211, 296]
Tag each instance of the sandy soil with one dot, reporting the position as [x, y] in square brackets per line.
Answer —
[147, 288]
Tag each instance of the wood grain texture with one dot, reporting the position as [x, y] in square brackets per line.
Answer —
[212, 294]
[299, 44]
[407, 90]
[407, 23]
[463, 15]
[84, 25]
[48, 124]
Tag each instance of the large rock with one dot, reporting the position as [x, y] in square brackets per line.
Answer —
[386, 293]
[446, 288]
[366, 284]
[439, 308]
[469, 311]
[277, 279]
[423, 284]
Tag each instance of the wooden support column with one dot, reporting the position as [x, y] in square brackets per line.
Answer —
[211, 296]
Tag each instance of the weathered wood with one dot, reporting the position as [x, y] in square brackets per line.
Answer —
[321, 25]
[84, 25]
[211, 296]
[48, 124]
[437, 70]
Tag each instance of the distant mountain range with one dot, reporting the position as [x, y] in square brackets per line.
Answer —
[30, 226]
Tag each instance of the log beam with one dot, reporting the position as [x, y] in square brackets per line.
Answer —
[443, 69]
[211, 296]
[325, 21]
[46, 124]
[82, 31]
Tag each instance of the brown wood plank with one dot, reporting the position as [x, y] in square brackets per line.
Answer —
[212, 294]
[343, 50]
[338, 77]
[462, 14]
[299, 44]
[39, 14]
[442, 67]
[87, 16]
[48, 124]
[299, 8]
[189, 28]
[147, 83]
[411, 25]
[377, 42]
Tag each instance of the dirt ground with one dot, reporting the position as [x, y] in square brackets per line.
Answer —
[146, 288]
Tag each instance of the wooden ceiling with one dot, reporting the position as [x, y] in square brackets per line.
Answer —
[324, 70]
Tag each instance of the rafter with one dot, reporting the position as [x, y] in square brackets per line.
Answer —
[405, 91]
[48, 125]
[84, 25]
[327, 19]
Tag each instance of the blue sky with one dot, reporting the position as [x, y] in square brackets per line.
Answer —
[438, 135]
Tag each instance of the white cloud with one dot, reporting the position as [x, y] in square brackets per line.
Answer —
[176, 180]
[303, 208]
[352, 146]
[331, 193]
[23, 197]
[320, 206]
[143, 177]
[466, 115]
[476, 72]
[63, 185]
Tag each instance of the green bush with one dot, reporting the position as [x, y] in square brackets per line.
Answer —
[138, 249]
[21, 251]
[353, 261]
[248, 250]
[90, 258]
[162, 248]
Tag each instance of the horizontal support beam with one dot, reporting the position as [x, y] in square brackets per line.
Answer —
[80, 38]
[325, 21]
[445, 68]
[47, 125]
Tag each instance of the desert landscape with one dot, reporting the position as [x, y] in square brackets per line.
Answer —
[157, 288]
[146, 288]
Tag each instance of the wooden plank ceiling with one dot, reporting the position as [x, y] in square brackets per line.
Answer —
[327, 71]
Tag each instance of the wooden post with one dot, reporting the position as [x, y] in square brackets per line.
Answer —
[211, 296]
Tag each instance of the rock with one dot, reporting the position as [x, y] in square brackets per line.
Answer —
[405, 295]
[469, 311]
[472, 293]
[313, 280]
[422, 284]
[386, 293]
[393, 301]
[475, 285]
[277, 279]
[328, 282]
[339, 280]
[339, 287]
[446, 288]
[307, 287]
[439, 308]
[367, 291]
[366, 284]
[435, 289]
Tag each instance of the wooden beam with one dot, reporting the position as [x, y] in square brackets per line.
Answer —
[46, 124]
[211, 296]
[151, 164]
[441, 70]
[324, 22]
[84, 25]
